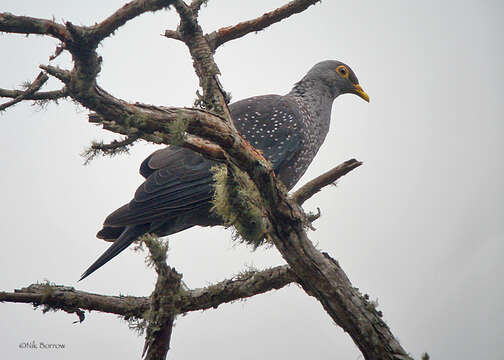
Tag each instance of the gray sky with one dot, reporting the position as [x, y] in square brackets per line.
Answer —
[418, 227]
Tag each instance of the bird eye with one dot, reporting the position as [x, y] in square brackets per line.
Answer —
[342, 70]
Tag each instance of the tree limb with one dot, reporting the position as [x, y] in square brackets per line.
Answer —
[243, 285]
[196, 5]
[214, 98]
[27, 25]
[58, 297]
[129, 11]
[225, 34]
[162, 309]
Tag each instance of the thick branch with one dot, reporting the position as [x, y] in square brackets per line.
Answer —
[60, 297]
[27, 25]
[214, 97]
[152, 123]
[158, 134]
[323, 278]
[162, 311]
[225, 34]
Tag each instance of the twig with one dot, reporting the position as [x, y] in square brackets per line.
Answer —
[57, 52]
[39, 81]
[311, 217]
[40, 95]
[172, 34]
[314, 186]
[111, 149]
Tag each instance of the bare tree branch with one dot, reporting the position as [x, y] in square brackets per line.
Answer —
[27, 25]
[53, 297]
[314, 186]
[225, 34]
[243, 285]
[129, 11]
[113, 148]
[58, 297]
[39, 81]
[39, 95]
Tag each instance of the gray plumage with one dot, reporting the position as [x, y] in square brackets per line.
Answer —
[178, 189]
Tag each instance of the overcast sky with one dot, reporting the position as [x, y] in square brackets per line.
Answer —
[418, 227]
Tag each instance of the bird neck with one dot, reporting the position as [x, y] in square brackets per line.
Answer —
[316, 99]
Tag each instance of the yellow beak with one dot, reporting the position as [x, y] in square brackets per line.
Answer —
[361, 93]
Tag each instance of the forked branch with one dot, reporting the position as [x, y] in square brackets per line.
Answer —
[242, 286]
[29, 92]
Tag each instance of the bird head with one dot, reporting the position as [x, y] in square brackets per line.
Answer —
[338, 77]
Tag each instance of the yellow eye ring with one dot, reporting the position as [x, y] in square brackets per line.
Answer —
[343, 71]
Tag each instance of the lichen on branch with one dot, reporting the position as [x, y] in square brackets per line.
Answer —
[238, 202]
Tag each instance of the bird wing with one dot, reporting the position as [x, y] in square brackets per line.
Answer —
[158, 159]
[178, 180]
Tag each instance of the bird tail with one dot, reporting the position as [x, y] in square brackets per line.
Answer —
[129, 235]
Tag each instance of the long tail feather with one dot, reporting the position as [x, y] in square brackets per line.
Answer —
[129, 235]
